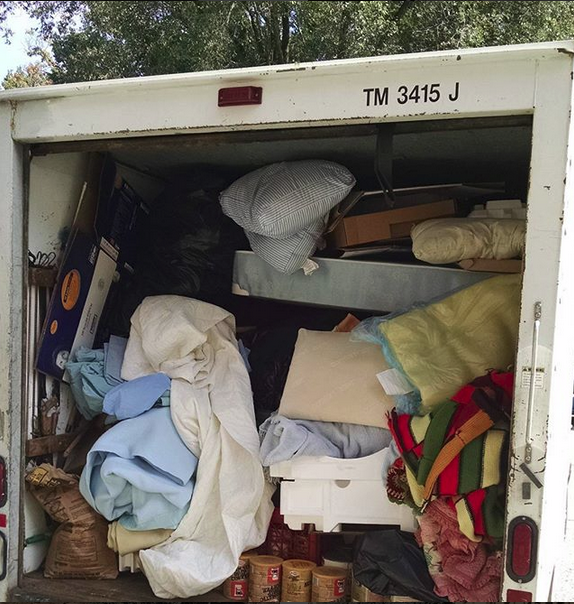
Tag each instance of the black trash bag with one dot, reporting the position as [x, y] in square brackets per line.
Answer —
[272, 350]
[390, 563]
[186, 247]
[270, 359]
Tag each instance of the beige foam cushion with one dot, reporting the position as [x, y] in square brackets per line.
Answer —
[334, 379]
[446, 240]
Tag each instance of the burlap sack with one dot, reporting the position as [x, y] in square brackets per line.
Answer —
[78, 549]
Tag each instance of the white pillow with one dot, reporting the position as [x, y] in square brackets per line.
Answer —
[284, 208]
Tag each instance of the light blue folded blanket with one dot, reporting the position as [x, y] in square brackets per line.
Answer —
[130, 399]
[94, 373]
[283, 439]
[88, 381]
[140, 473]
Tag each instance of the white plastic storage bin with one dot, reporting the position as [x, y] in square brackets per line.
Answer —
[329, 492]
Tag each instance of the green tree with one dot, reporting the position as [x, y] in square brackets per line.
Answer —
[34, 74]
[97, 40]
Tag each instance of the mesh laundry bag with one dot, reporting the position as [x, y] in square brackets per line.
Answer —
[284, 208]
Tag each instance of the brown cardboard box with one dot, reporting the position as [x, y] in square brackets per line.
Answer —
[364, 217]
[488, 265]
[386, 225]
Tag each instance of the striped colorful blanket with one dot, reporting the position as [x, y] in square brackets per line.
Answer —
[459, 452]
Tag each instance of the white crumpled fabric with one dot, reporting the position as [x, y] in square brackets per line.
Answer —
[446, 240]
[212, 408]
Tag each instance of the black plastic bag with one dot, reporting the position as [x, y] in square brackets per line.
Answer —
[186, 247]
[272, 350]
[390, 563]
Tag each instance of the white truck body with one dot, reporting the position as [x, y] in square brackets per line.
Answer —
[530, 80]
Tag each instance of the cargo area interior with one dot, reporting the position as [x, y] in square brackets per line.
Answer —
[489, 153]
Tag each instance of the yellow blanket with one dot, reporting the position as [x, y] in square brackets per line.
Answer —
[128, 542]
[449, 343]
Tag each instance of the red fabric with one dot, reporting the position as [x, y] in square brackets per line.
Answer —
[463, 571]
[504, 380]
[474, 503]
[448, 480]
[401, 431]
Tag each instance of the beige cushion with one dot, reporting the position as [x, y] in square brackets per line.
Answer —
[334, 379]
[447, 240]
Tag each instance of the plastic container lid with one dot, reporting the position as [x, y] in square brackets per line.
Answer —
[299, 565]
[248, 555]
[330, 572]
[265, 561]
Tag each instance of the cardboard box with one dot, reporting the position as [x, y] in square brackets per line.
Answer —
[388, 224]
[365, 217]
[104, 221]
[77, 302]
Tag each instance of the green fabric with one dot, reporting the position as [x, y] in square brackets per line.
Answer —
[470, 473]
[494, 512]
[435, 438]
[449, 343]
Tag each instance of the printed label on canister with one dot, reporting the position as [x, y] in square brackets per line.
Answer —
[242, 572]
[238, 589]
[274, 574]
[271, 593]
[340, 587]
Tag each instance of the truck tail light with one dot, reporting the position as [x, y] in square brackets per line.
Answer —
[522, 550]
[240, 95]
[4, 555]
[513, 595]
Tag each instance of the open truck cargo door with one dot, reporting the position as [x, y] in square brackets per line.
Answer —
[263, 106]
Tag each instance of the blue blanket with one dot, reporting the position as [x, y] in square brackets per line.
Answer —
[140, 473]
[94, 373]
[283, 439]
[130, 399]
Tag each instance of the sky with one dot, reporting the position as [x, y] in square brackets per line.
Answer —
[13, 53]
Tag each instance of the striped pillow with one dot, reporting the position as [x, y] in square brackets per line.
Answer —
[284, 208]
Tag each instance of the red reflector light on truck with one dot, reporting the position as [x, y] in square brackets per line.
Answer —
[513, 595]
[240, 95]
[522, 547]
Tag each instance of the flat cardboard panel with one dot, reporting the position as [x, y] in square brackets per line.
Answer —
[102, 236]
[389, 224]
[492, 266]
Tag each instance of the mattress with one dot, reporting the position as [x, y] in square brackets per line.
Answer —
[350, 283]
